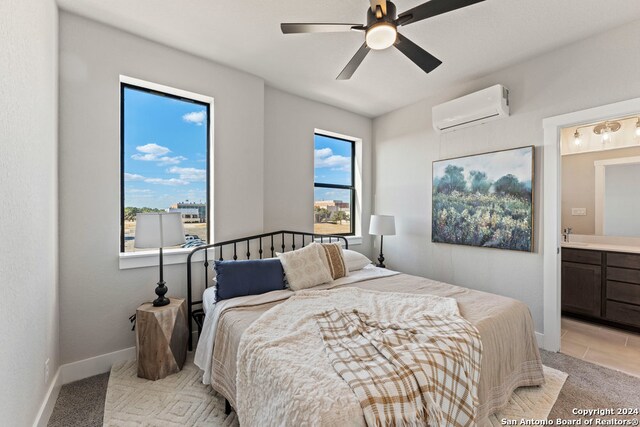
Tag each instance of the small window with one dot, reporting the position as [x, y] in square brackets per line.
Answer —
[334, 188]
[164, 160]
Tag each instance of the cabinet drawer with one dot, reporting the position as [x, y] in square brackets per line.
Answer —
[623, 292]
[582, 256]
[623, 275]
[615, 259]
[623, 313]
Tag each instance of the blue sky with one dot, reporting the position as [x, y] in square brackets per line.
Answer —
[516, 162]
[332, 159]
[165, 147]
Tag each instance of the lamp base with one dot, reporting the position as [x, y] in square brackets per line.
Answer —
[161, 301]
[381, 261]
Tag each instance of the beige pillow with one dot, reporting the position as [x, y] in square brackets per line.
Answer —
[355, 260]
[331, 253]
[304, 268]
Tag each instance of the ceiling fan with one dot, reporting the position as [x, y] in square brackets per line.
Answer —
[381, 31]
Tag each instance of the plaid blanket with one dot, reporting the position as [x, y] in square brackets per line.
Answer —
[418, 372]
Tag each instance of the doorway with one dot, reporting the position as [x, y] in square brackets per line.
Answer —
[552, 213]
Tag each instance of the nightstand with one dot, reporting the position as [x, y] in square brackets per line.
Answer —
[161, 338]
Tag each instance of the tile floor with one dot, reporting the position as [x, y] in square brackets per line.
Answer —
[614, 348]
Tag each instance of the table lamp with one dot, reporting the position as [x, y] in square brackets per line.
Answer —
[159, 230]
[382, 225]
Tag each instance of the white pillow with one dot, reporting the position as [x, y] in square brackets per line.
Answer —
[355, 260]
[304, 268]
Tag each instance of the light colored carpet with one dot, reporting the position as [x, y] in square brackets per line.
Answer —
[182, 400]
[177, 400]
[532, 403]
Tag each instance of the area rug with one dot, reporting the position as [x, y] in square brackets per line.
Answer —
[182, 400]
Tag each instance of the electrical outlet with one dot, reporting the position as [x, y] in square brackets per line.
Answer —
[46, 372]
[578, 211]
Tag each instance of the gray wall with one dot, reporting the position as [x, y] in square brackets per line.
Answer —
[405, 145]
[289, 126]
[578, 186]
[29, 219]
[257, 184]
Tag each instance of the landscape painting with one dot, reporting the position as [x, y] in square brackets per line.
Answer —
[485, 200]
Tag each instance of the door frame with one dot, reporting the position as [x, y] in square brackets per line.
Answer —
[552, 201]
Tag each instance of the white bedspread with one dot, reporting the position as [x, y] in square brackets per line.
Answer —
[284, 375]
[213, 309]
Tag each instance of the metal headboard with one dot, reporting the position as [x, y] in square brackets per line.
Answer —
[282, 240]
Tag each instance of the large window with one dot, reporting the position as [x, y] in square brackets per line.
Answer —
[165, 161]
[334, 188]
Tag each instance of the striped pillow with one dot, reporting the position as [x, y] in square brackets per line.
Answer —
[334, 260]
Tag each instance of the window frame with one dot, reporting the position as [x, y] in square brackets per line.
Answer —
[125, 83]
[351, 188]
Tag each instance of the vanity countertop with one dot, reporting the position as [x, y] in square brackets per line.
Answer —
[598, 246]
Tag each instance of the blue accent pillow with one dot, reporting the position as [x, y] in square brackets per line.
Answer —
[248, 277]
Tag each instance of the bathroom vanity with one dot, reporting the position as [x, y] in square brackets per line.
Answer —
[601, 281]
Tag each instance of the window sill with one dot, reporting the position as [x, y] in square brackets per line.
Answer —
[144, 259]
[352, 240]
[150, 258]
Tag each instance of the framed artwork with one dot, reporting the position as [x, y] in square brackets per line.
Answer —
[485, 200]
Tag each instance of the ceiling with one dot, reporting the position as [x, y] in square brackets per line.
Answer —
[471, 42]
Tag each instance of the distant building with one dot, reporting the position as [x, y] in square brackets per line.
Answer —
[201, 208]
[189, 215]
[333, 205]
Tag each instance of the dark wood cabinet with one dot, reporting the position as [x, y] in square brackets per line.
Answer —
[581, 288]
[604, 286]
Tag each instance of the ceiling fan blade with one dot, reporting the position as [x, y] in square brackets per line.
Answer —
[432, 8]
[418, 55]
[355, 62]
[381, 3]
[319, 28]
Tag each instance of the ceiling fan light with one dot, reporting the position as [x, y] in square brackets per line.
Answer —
[381, 36]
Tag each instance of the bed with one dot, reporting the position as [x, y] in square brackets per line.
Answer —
[510, 353]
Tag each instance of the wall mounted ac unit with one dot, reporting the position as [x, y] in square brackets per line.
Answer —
[473, 109]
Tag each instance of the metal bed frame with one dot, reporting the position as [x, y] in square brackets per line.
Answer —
[278, 239]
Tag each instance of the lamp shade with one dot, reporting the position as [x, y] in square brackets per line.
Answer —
[382, 225]
[159, 230]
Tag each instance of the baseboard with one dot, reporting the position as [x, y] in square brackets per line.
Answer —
[42, 419]
[95, 365]
[86, 368]
[540, 339]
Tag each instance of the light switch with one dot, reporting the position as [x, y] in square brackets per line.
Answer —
[578, 211]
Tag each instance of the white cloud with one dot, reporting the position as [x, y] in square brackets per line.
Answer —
[324, 158]
[190, 174]
[195, 117]
[133, 177]
[162, 181]
[139, 191]
[154, 149]
[156, 153]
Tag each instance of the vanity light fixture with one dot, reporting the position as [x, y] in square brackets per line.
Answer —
[606, 129]
[577, 139]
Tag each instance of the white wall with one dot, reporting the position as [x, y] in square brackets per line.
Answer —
[558, 82]
[263, 149]
[288, 158]
[96, 297]
[28, 222]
